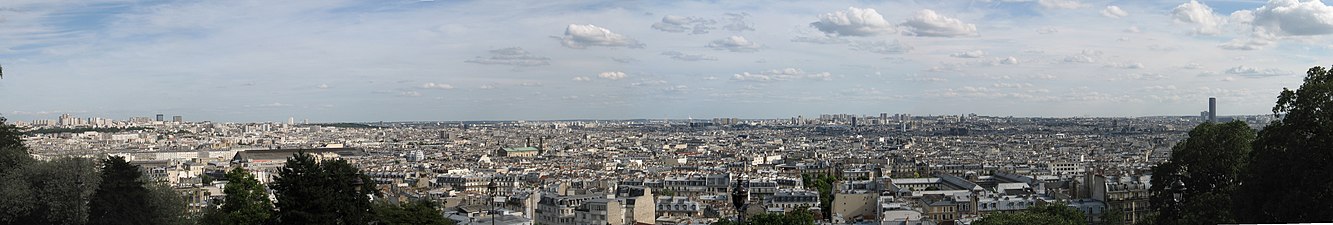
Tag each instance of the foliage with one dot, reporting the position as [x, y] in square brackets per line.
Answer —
[246, 201]
[1113, 217]
[165, 205]
[420, 212]
[795, 217]
[13, 153]
[1050, 214]
[328, 192]
[824, 184]
[121, 197]
[1210, 163]
[1289, 178]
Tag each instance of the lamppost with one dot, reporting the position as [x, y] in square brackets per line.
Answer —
[740, 199]
[1177, 195]
[490, 199]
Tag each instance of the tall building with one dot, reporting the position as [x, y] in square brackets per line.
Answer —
[291, 120]
[160, 117]
[1212, 110]
[177, 119]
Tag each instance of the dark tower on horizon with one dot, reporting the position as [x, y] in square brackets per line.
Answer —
[1212, 109]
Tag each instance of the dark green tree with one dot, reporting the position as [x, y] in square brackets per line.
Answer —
[328, 192]
[121, 198]
[795, 217]
[246, 202]
[824, 184]
[1210, 162]
[13, 153]
[60, 190]
[165, 205]
[419, 212]
[1290, 178]
[1050, 214]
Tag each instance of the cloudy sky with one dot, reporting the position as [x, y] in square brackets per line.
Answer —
[387, 60]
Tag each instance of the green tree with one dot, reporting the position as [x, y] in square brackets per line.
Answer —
[328, 192]
[165, 205]
[824, 184]
[795, 217]
[1050, 214]
[246, 202]
[1290, 178]
[121, 198]
[1113, 217]
[60, 190]
[13, 153]
[1210, 162]
[419, 212]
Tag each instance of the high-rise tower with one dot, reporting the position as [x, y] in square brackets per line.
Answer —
[1212, 109]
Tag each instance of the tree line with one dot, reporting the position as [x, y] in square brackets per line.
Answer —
[112, 191]
[1230, 173]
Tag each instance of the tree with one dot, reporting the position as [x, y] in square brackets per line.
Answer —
[165, 205]
[13, 153]
[246, 201]
[795, 217]
[121, 198]
[328, 192]
[1050, 214]
[60, 190]
[1210, 162]
[824, 184]
[419, 212]
[1289, 178]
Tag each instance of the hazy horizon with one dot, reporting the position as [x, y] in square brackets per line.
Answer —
[347, 60]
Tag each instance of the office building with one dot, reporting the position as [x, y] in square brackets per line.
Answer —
[1212, 110]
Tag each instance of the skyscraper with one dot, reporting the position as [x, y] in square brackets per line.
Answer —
[1212, 110]
[159, 117]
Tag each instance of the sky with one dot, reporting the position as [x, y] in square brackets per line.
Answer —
[397, 60]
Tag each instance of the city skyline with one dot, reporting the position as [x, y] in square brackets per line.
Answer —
[326, 61]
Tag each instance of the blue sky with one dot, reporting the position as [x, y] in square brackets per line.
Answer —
[343, 60]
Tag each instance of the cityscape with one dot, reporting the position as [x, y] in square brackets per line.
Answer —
[585, 112]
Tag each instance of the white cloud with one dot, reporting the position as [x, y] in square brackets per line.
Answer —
[433, 85]
[410, 94]
[821, 40]
[734, 44]
[881, 47]
[969, 54]
[1079, 59]
[323, 86]
[678, 24]
[738, 22]
[1252, 72]
[781, 75]
[582, 78]
[688, 57]
[854, 22]
[1126, 65]
[1009, 61]
[1292, 17]
[582, 36]
[930, 24]
[1253, 43]
[1201, 15]
[613, 75]
[513, 56]
[1114, 12]
[1060, 4]
[1048, 30]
